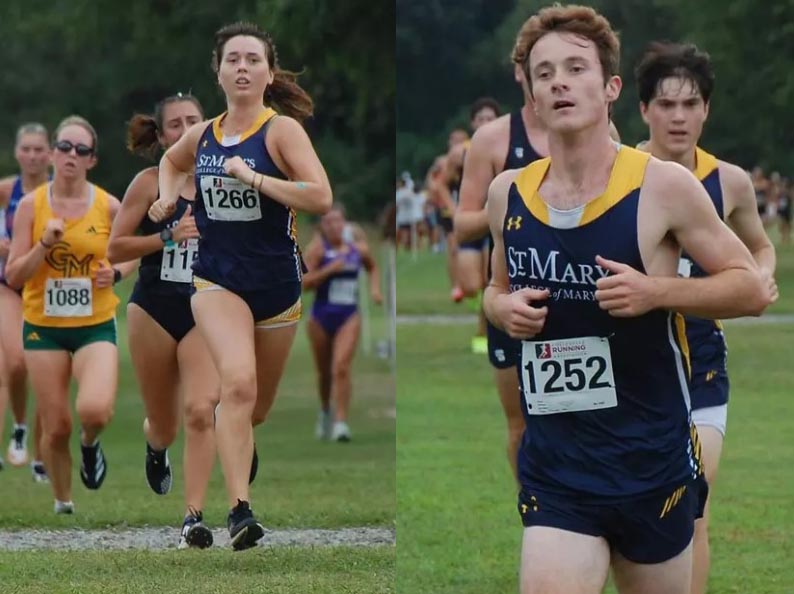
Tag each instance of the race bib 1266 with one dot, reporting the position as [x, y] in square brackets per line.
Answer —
[229, 199]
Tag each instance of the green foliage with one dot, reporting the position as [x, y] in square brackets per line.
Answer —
[448, 56]
[107, 61]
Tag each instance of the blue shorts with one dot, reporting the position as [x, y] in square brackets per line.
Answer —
[649, 529]
[171, 311]
[270, 308]
[503, 351]
[476, 245]
[709, 385]
[709, 389]
[332, 318]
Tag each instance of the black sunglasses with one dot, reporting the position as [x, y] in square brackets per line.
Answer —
[66, 146]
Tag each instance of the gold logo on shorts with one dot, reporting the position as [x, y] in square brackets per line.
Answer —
[33, 336]
[672, 501]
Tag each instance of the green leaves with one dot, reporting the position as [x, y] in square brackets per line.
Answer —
[107, 60]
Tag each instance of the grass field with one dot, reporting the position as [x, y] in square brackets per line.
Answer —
[459, 530]
[302, 483]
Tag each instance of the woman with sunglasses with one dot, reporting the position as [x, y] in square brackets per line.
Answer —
[253, 170]
[334, 262]
[167, 350]
[61, 233]
[32, 152]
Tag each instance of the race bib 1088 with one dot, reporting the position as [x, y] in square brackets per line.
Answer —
[68, 298]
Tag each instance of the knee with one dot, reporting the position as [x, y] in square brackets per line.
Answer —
[15, 367]
[57, 430]
[341, 372]
[165, 432]
[324, 375]
[239, 386]
[94, 415]
[471, 285]
[199, 416]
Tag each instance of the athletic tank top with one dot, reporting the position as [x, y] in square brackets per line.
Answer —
[605, 399]
[248, 240]
[705, 337]
[16, 195]
[7, 217]
[520, 153]
[168, 271]
[340, 290]
[454, 186]
[63, 293]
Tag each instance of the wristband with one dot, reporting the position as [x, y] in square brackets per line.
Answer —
[167, 237]
[116, 275]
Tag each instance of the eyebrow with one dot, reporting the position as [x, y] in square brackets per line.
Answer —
[258, 55]
[568, 60]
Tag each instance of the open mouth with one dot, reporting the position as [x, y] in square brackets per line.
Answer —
[242, 81]
[562, 104]
[677, 133]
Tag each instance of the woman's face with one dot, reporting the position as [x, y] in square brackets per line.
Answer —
[178, 116]
[333, 225]
[32, 152]
[73, 153]
[244, 71]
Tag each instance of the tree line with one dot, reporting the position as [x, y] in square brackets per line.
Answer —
[107, 60]
[451, 52]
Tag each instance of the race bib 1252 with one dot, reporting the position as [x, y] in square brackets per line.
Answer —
[573, 374]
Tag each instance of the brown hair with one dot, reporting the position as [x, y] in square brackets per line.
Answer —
[76, 120]
[284, 92]
[578, 20]
[142, 129]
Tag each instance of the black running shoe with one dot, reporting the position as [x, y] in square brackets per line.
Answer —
[194, 533]
[158, 470]
[254, 467]
[244, 530]
[93, 469]
[39, 472]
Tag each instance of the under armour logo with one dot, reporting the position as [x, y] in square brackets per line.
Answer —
[519, 152]
[513, 223]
